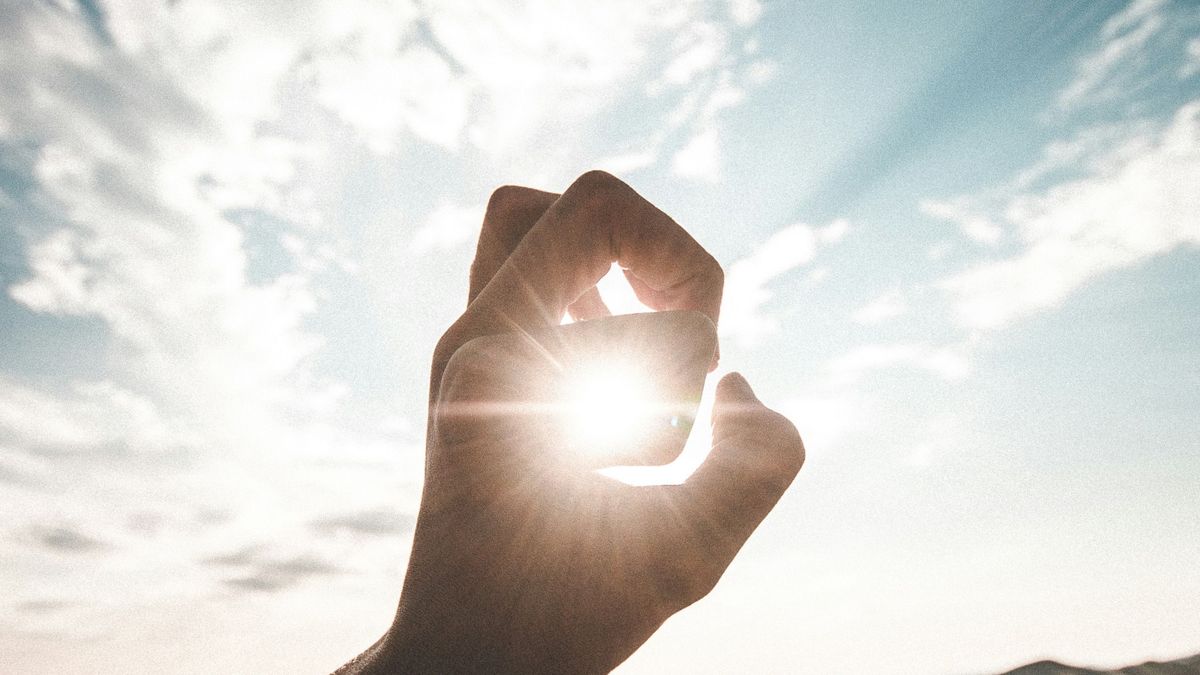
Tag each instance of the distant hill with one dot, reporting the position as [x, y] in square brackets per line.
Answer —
[1184, 666]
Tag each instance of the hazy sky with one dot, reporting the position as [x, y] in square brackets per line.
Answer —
[961, 244]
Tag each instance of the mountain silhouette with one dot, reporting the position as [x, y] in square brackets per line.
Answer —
[1186, 666]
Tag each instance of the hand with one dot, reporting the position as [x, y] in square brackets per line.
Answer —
[515, 568]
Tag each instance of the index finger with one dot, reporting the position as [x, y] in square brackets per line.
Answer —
[597, 221]
[511, 212]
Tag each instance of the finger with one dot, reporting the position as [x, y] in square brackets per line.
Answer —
[589, 306]
[511, 212]
[653, 297]
[597, 221]
[755, 456]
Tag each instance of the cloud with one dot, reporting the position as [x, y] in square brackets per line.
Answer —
[1123, 36]
[63, 539]
[383, 521]
[745, 12]
[254, 569]
[747, 280]
[824, 419]
[420, 94]
[700, 47]
[886, 306]
[42, 606]
[947, 362]
[267, 575]
[448, 227]
[152, 131]
[626, 163]
[699, 159]
[444, 73]
[1139, 200]
[87, 417]
[1192, 65]
[975, 226]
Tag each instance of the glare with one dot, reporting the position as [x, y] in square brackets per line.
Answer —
[608, 408]
[617, 294]
[695, 450]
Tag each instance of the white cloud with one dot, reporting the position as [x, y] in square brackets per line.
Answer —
[887, 306]
[1080, 153]
[449, 226]
[941, 436]
[1139, 201]
[745, 12]
[824, 420]
[88, 416]
[145, 246]
[700, 158]
[947, 362]
[1123, 36]
[1192, 65]
[209, 402]
[382, 94]
[626, 163]
[210, 429]
[747, 281]
[977, 227]
[441, 72]
[700, 49]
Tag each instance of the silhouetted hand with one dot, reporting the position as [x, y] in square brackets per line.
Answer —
[519, 565]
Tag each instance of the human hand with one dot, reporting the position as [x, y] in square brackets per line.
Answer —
[519, 568]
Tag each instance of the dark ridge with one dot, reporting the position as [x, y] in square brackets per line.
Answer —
[1189, 665]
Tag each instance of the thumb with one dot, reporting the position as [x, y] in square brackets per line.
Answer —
[756, 454]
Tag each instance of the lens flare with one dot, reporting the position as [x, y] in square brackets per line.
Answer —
[608, 408]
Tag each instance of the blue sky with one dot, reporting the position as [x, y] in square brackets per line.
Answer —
[961, 254]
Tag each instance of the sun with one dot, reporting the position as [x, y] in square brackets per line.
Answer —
[608, 408]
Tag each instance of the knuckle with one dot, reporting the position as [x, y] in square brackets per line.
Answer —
[504, 200]
[777, 450]
[785, 439]
[463, 367]
[447, 345]
[682, 579]
[715, 276]
[716, 272]
[600, 183]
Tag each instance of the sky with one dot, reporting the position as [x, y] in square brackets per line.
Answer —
[961, 252]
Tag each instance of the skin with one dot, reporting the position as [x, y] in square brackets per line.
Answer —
[521, 564]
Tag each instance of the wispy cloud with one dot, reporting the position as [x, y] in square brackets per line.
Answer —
[1191, 66]
[382, 521]
[826, 418]
[887, 306]
[1122, 38]
[699, 158]
[63, 539]
[948, 362]
[449, 226]
[253, 570]
[155, 135]
[1138, 201]
[977, 227]
[747, 282]
[87, 418]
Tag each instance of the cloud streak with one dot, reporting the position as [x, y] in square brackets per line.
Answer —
[1138, 201]
[747, 283]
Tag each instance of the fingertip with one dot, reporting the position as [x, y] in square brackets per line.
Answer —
[734, 385]
[589, 306]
